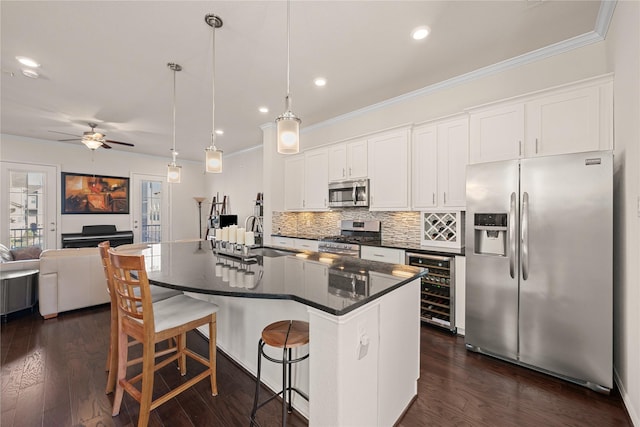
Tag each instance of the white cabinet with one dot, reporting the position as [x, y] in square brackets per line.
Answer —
[294, 182]
[496, 134]
[575, 118]
[375, 253]
[460, 293]
[440, 153]
[565, 123]
[348, 160]
[388, 171]
[305, 245]
[305, 181]
[316, 180]
[282, 242]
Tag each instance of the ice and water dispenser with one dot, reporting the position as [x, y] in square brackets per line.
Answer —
[490, 233]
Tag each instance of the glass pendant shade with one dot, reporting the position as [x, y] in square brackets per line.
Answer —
[213, 160]
[174, 173]
[288, 133]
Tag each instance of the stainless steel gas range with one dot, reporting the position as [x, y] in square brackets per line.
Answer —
[352, 234]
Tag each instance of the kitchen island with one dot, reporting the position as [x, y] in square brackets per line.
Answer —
[364, 323]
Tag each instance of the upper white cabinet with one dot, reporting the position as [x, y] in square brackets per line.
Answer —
[388, 171]
[348, 160]
[439, 154]
[316, 180]
[305, 181]
[294, 182]
[571, 119]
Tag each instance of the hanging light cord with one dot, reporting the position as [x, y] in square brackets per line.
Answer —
[288, 50]
[213, 86]
[174, 154]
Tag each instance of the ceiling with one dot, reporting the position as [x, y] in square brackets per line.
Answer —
[106, 61]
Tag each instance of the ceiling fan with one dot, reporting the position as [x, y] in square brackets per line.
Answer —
[92, 139]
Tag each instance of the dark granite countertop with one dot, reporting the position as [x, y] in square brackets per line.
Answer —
[406, 245]
[327, 282]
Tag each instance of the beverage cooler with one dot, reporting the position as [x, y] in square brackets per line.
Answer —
[437, 295]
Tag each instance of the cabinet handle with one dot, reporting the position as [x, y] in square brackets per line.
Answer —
[378, 255]
[433, 198]
[536, 145]
[343, 172]
[519, 148]
[444, 197]
[350, 172]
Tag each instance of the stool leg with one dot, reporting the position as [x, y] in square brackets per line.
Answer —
[290, 408]
[257, 392]
[284, 387]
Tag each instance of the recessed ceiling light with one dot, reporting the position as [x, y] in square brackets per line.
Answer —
[320, 81]
[27, 61]
[263, 109]
[219, 131]
[30, 73]
[420, 32]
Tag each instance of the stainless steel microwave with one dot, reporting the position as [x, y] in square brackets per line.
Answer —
[346, 194]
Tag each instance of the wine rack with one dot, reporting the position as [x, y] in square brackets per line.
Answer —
[444, 228]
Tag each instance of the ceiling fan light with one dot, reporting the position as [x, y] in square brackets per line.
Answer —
[91, 143]
[213, 160]
[174, 173]
[288, 133]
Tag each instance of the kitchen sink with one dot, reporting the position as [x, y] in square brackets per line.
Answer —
[270, 252]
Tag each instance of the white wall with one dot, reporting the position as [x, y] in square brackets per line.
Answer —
[240, 180]
[77, 158]
[623, 48]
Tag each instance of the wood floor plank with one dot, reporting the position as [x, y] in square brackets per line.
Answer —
[57, 367]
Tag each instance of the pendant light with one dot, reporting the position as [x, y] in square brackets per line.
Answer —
[288, 125]
[173, 170]
[213, 156]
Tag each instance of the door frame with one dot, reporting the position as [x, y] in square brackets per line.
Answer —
[136, 206]
[52, 212]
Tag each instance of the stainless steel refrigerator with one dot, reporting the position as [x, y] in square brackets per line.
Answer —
[539, 259]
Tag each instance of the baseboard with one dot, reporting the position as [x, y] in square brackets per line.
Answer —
[631, 411]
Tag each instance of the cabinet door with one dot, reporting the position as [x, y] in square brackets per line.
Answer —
[453, 142]
[374, 253]
[424, 167]
[294, 183]
[388, 172]
[357, 159]
[306, 245]
[316, 180]
[563, 123]
[338, 162]
[497, 134]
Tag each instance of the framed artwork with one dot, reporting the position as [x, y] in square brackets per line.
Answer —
[94, 194]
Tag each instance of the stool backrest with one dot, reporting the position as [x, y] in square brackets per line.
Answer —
[104, 247]
[131, 286]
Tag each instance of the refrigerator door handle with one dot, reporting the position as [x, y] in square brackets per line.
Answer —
[512, 235]
[524, 257]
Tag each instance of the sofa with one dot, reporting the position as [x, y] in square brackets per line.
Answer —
[69, 279]
[19, 259]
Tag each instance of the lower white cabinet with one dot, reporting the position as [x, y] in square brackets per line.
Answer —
[375, 253]
[282, 242]
[461, 278]
[305, 245]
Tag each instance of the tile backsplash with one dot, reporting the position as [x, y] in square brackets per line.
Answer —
[396, 226]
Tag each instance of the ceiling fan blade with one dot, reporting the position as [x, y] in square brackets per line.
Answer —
[71, 139]
[118, 142]
[105, 145]
[65, 133]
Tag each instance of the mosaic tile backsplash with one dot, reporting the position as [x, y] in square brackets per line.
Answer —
[396, 226]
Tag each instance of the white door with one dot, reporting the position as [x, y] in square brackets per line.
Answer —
[150, 202]
[29, 200]
[453, 139]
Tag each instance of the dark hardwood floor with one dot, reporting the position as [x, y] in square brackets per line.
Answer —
[53, 375]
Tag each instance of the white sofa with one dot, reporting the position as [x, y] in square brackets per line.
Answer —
[70, 278]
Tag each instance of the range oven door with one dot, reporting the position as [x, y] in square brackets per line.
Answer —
[349, 194]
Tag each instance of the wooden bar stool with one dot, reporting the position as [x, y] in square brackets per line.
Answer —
[287, 335]
[157, 294]
[150, 323]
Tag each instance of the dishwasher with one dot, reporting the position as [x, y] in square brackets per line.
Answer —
[437, 289]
